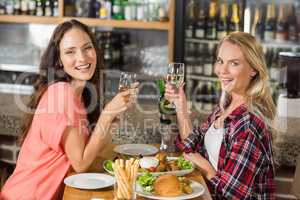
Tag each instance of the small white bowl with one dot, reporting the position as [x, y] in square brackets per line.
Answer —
[148, 162]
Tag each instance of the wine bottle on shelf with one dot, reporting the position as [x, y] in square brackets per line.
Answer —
[9, 7]
[190, 51]
[282, 25]
[222, 21]
[24, 7]
[200, 24]
[198, 96]
[191, 10]
[32, 7]
[273, 69]
[55, 8]
[211, 24]
[297, 15]
[234, 24]
[292, 23]
[207, 100]
[39, 8]
[17, 7]
[208, 61]
[118, 12]
[270, 24]
[257, 28]
[48, 8]
[200, 58]
[2, 8]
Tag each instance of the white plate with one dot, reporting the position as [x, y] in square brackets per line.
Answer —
[89, 181]
[198, 190]
[136, 149]
[175, 172]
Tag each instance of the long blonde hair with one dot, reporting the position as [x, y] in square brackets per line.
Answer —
[258, 92]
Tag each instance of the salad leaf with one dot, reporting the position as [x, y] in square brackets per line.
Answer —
[108, 165]
[184, 164]
[146, 181]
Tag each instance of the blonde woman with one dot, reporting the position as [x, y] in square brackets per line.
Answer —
[233, 148]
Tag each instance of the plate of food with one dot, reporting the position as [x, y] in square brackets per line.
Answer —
[89, 180]
[158, 165]
[136, 149]
[168, 187]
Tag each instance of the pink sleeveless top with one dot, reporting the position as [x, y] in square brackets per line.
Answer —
[42, 163]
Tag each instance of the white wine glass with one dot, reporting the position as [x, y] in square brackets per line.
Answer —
[127, 79]
[175, 76]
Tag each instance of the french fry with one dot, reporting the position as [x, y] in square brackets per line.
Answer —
[127, 168]
[121, 193]
[124, 180]
[126, 174]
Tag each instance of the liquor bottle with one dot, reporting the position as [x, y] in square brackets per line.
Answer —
[133, 9]
[234, 24]
[282, 25]
[191, 11]
[24, 7]
[71, 5]
[9, 7]
[48, 8]
[211, 24]
[39, 8]
[2, 7]
[297, 15]
[17, 7]
[270, 24]
[108, 50]
[141, 10]
[118, 12]
[257, 28]
[274, 68]
[163, 11]
[55, 8]
[222, 21]
[200, 24]
[292, 23]
[32, 7]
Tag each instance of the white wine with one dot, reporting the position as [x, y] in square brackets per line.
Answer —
[175, 79]
[123, 88]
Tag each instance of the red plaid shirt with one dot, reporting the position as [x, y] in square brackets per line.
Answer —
[245, 165]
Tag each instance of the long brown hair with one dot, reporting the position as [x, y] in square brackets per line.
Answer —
[258, 91]
[51, 71]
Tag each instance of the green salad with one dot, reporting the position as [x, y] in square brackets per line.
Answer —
[184, 164]
[146, 181]
[109, 165]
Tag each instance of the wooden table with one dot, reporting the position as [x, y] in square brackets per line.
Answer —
[107, 193]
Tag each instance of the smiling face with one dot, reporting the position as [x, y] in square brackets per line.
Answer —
[78, 55]
[233, 70]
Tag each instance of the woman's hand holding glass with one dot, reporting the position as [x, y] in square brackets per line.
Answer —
[118, 105]
[177, 97]
[174, 81]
